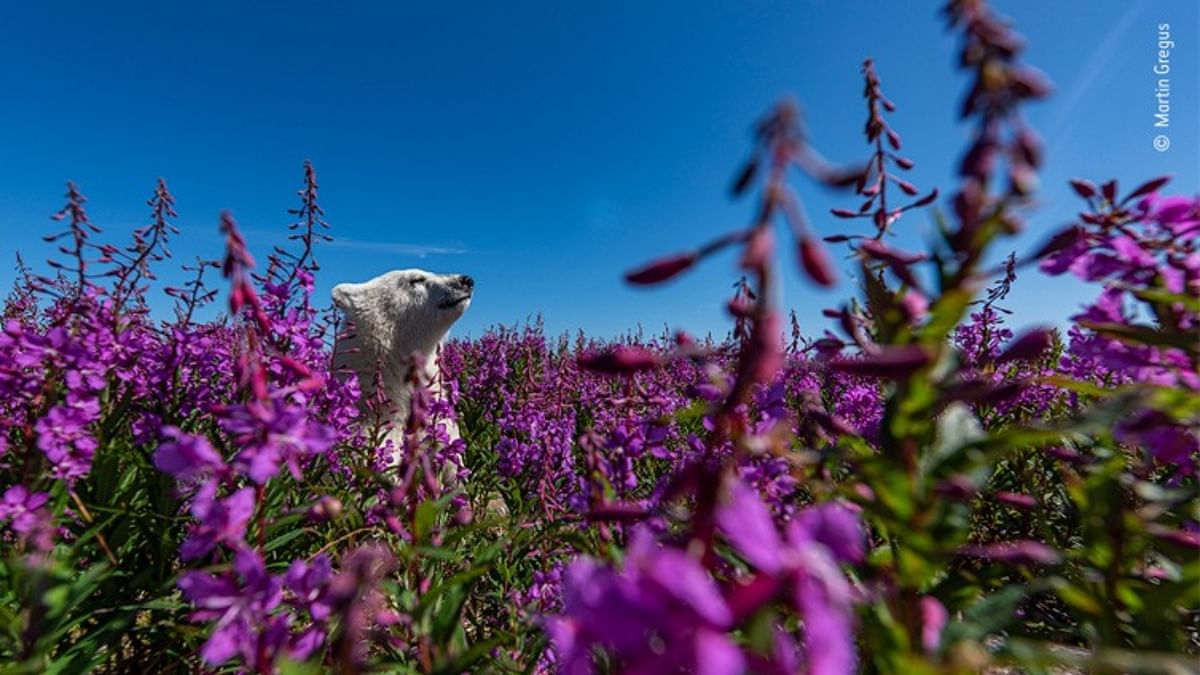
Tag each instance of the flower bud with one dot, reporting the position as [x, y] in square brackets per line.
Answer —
[620, 360]
[1109, 190]
[1016, 499]
[325, 509]
[1030, 83]
[661, 270]
[744, 177]
[815, 262]
[893, 363]
[1025, 552]
[1031, 345]
[1146, 188]
[1083, 188]
[926, 200]
[759, 249]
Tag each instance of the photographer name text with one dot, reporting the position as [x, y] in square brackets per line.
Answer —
[1162, 67]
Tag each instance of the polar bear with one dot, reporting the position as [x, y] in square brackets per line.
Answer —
[389, 318]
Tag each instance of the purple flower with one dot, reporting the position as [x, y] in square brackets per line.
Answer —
[833, 525]
[933, 620]
[1018, 500]
[1024, 552]
[63, 436]
[820, 538]
[1163, 439]
[661, 613]
[309, 583]
[185, 456]
[274, 433]
[1031, 345]
[222, 521]
[896, 363]
[20, 507]
[240, 604]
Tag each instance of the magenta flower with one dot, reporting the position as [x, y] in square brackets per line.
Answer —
[894, 363]
[186, 456]
[661, 613]
[309, 584]
[933, 620]
[620, 360]
[806, 561]
[64, 437]
[834, 526]
[1031, 345]
[1177, 214]
[222, 521]
[273, 433]
[21, 508]
[1024, 552]
[1016, 499]
[308, 581]
[240, 604]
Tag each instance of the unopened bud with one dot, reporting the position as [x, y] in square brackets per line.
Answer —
[325, 509]
[815, 262]
[661, 270]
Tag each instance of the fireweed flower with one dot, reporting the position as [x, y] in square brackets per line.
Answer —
[933, 620]
[63, 435]
[661, 613]
[888, 363]
[22, 508]
[804, 562]
[272, 433]
[221, 521]
[1165, 441]
[308, 583]
[354, 595]
[186, 456]
[240, 603]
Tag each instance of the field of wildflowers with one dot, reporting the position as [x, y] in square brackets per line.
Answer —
[919, 491]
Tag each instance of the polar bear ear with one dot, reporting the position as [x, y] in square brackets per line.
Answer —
[343, 297]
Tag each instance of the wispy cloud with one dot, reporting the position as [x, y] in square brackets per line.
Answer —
[395, 247]
[386, 247]
[1094, 67]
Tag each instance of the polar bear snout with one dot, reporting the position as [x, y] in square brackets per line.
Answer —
[458, 290]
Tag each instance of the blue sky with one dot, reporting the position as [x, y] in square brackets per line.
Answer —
[543, 148]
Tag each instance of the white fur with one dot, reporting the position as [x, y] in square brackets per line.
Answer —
[390, 317]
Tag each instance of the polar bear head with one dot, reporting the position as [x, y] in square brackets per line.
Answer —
[392, 316]
[403, 311]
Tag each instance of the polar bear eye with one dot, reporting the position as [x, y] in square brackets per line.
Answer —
[416, 281]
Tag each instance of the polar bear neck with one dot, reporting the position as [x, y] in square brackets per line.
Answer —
[379, 361]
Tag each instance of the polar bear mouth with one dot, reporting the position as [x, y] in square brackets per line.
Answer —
[455, 302]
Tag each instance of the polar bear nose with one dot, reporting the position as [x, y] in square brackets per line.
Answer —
[464, 281]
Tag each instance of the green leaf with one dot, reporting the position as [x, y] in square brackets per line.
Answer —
[469, 658]
[285, 538]
[1162, 296]
[957, 428]
[1138, 334]
[989, 615]
[944, 316]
